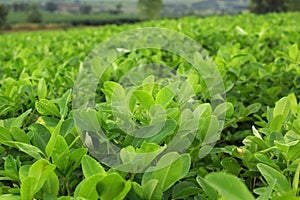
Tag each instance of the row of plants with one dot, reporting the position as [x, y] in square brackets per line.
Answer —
[44, 155]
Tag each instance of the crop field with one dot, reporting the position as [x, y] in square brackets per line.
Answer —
[192, 108]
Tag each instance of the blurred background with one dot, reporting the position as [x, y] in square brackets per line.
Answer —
[46, 14]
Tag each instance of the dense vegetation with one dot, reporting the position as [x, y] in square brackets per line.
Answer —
[256, 156]
[266, 6]
[3, 15]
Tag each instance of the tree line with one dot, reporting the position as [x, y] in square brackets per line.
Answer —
[148, 9]
[266, 6]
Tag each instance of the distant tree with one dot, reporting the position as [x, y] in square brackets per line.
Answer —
[51, 7]
[292, 5]
[85, 9]
[20, 7]
[266, 6]
[15, 7]
[119, 7]
[117, 10]
[150, 9]
[257, 6]
[34, 15]
[3, 14]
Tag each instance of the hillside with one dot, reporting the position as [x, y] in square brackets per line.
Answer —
[171, 7]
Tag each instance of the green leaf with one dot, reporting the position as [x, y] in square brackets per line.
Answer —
[253, 108]
[270, 174]
[113, 91]
[46, 107]
[231, 165]
[144, 98]
[185, 189]
[147, 132]
[293, 103]
[296, 178]
[87, 188]
[53, 139]
[164, 97]
[202, 111]
[37, 175]
[148, 84]
[291, 136]
[185, 92]
[224, 109]
[136, 192]
[169, 169]
[67, 127]
[141, 157]
[265, 159]
[19, 135]
[293, 151]
[66, 198]
[75, 159]
[63, 103]
[28, 149]
[4, 135]
[42, 89]
[49, 122]
[208, 189]
[240, 30]
[10, 197]
[28, 188]
[127, 154]
[125, 191]
[168, 129]
[284, 147]
[91, 167]
[290, 195]
[256, 133]
[277, 123]
[253, 139]
[152, 190]
[51, 185]
[49, 196]
[268, 191]
[87, 119]
[282, 107]
[23, 172]
[41, 136]
[41, 170]
[18, 121]
[113, 187]
[10, 166]
[61, 154]
[193, 80]
[229, 186]
[294, 51]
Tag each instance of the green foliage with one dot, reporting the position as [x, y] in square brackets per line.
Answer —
[51, 7]
[266, 6]
[226, 183]
[20, 6]
[85, 9]
[256, 156]
[34, 15]
[3, 15]
[19, 17]
[149, 9]
[292, 5]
